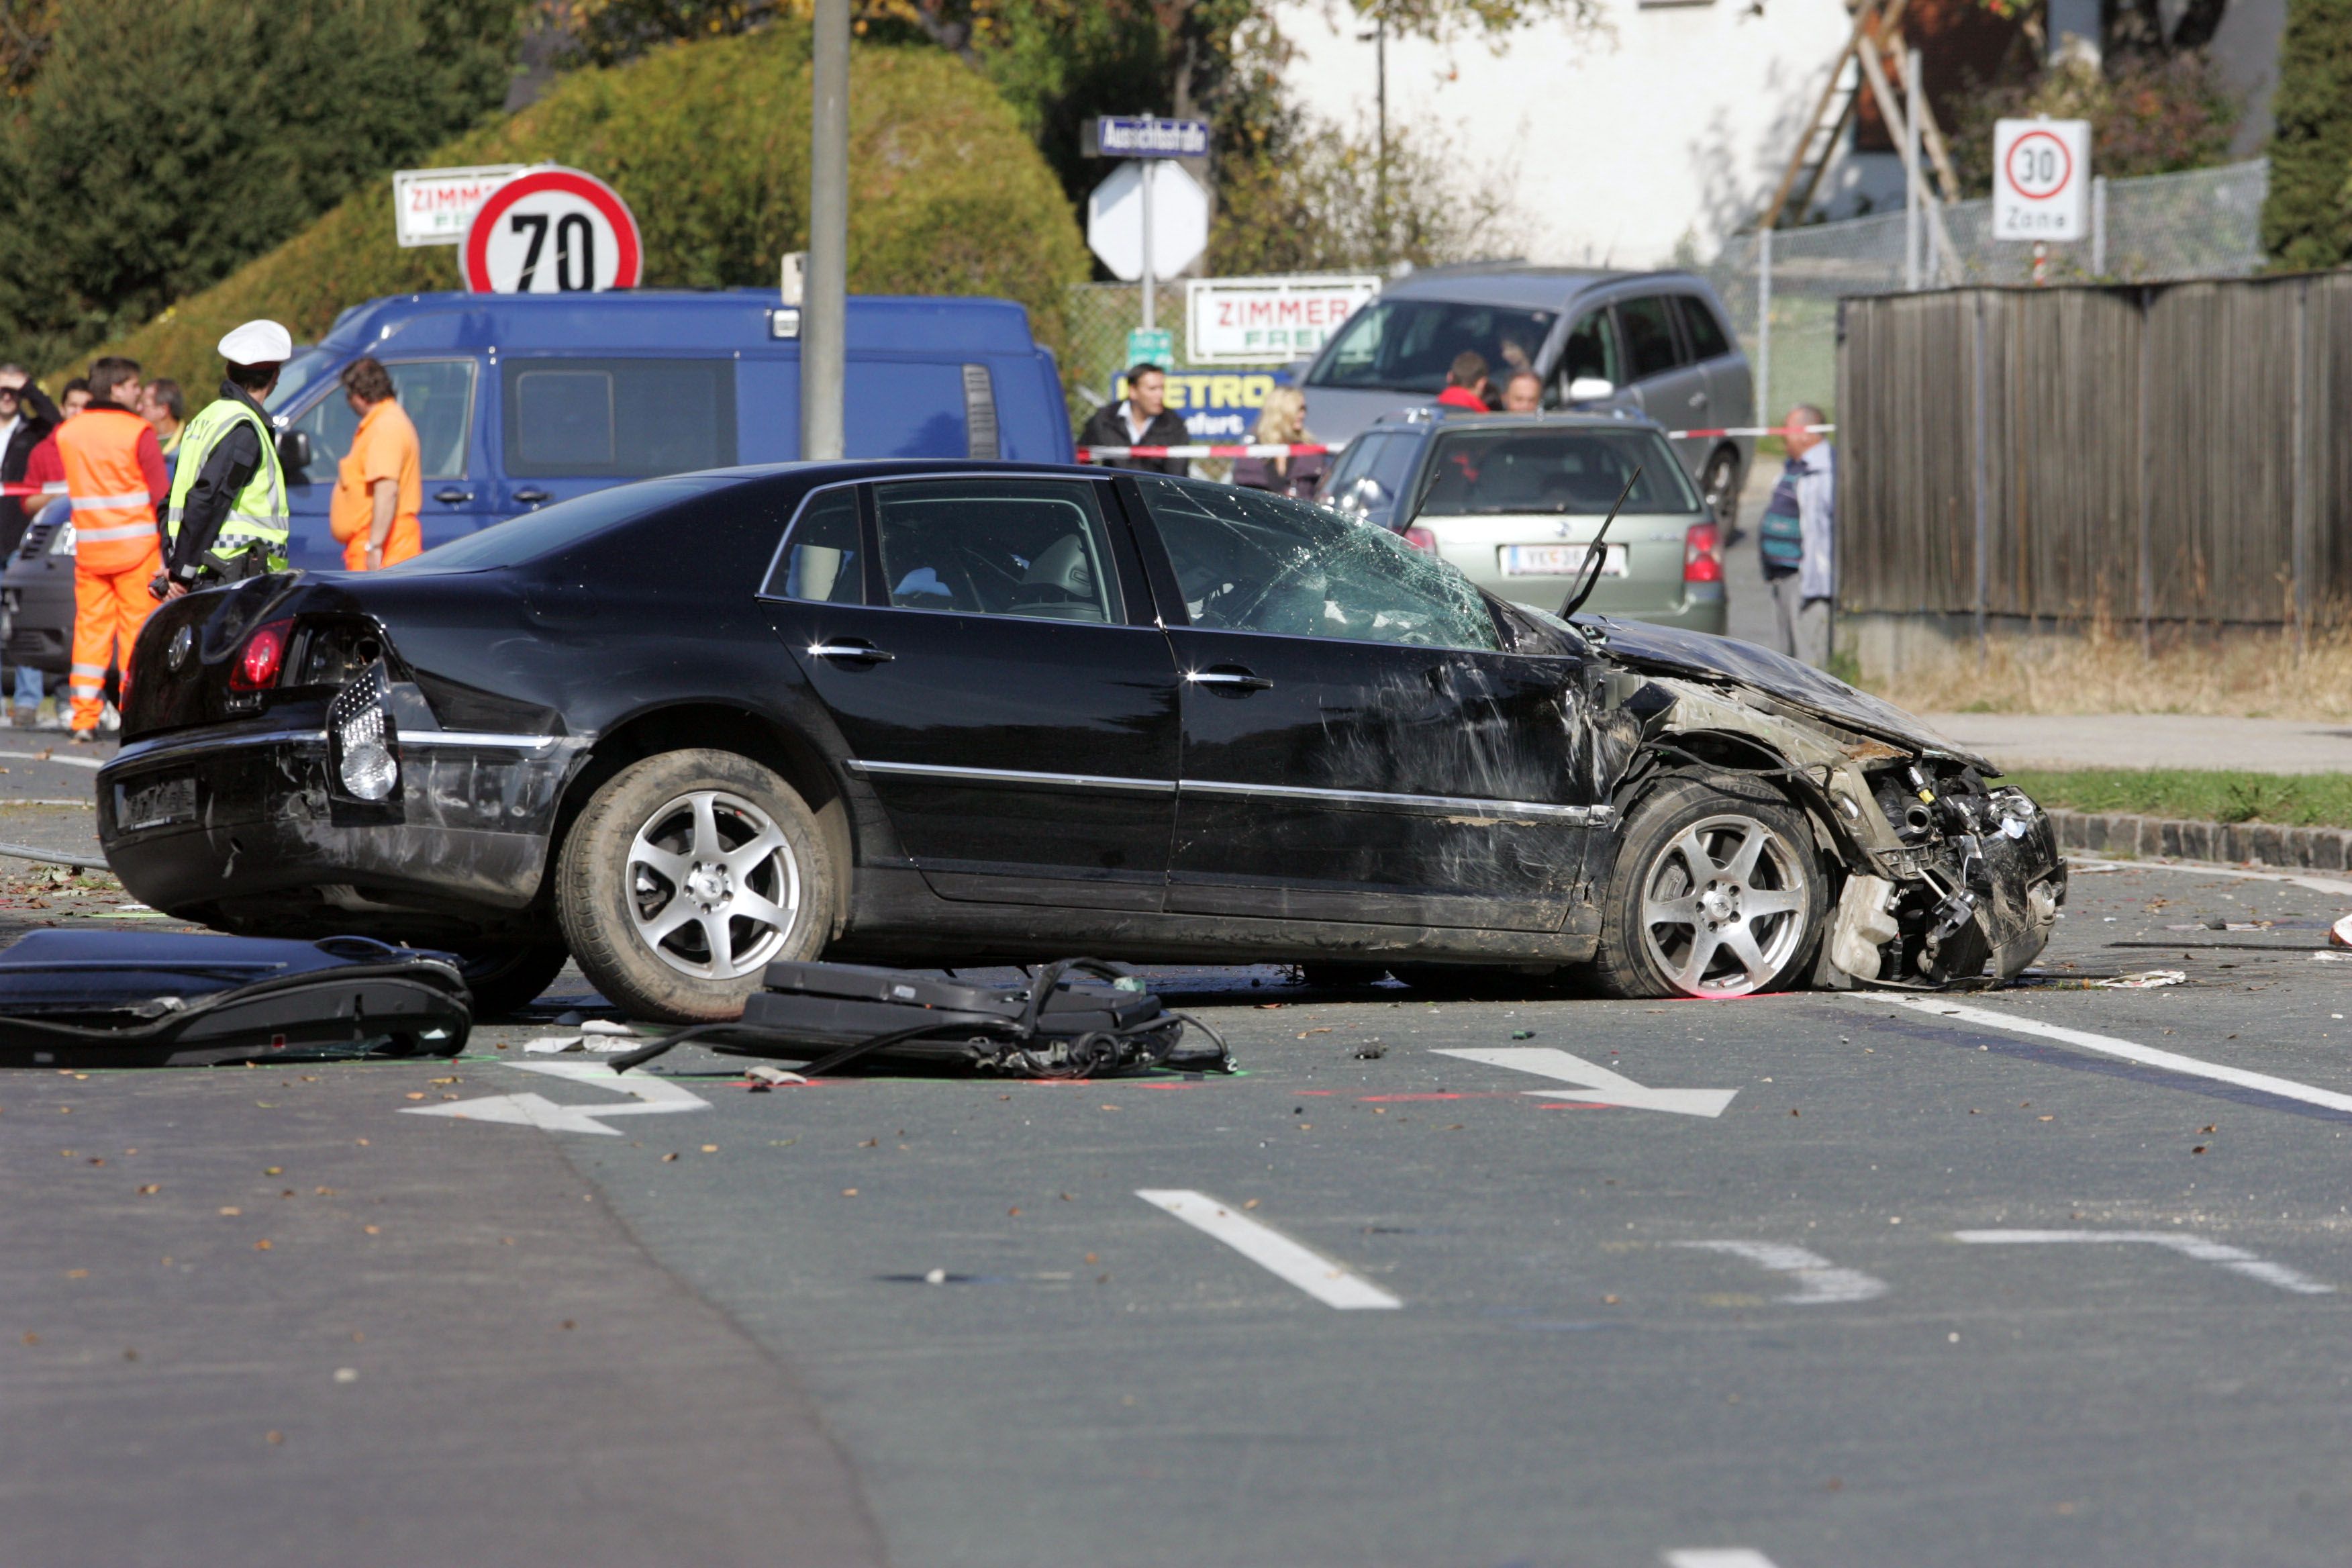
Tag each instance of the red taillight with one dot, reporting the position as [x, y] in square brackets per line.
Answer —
[1702, 554]
[260, 661]
[1421, 539]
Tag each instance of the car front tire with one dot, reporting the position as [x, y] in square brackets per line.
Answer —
[687, 875]
[1718, 892]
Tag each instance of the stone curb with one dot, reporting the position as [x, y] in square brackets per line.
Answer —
[2237, 843]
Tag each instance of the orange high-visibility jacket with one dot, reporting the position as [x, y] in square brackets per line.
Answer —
[113, 510]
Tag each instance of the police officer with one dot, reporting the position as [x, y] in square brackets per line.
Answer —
[227, 518]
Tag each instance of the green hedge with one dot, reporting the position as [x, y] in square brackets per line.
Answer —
[2307, 219]
[708, 144]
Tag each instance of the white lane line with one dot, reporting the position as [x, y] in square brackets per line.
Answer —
[2108, 1045]
[1824, 1283]
[2236, 1260]
[1597, 1085]
[1717, 1557]
[93, 763]
[2191, 868]
[1328, 1282]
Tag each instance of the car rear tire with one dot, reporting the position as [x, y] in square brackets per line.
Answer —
[688, 874]
[506, 980]
[1718, 892]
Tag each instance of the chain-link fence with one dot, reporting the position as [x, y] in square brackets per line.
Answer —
[1100, 315]
[1782, 287]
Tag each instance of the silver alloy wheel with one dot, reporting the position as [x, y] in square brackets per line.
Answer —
[712, 885]
[1724, 906]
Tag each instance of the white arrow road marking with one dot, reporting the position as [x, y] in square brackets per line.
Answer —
[1329, 1283]
[2237, 1260]
[2108, 1045]
[1600, 1086]
[1825, 1284]
[1718, 1557]
[654, 1096]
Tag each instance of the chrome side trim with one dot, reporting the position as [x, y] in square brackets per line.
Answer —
[1592, 815]
[168, 745]
[482, 738]
[1010, 776]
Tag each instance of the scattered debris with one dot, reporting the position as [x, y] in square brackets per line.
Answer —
[2142, 980]
[1369, 1051]
[765, 1078]
[2340, 933]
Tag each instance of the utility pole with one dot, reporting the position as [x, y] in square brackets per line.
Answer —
[1379, 38]
[824, 315]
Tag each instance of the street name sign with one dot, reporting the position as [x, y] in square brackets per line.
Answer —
[433, 206]
[552, 231]
[1269, 320]
[1143, 136]
[2042, 179]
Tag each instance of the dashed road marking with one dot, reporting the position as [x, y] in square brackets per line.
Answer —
[93, 763]
[2108, 1045]
[1823, 1283]
[2236, 1260]
[1330, 1283]
[653, 1097]
[1597, 1085]
[1718, 1557]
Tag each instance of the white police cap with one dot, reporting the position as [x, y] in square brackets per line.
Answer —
[257, 343]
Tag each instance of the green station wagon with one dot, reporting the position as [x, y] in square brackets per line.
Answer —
[1514, 500]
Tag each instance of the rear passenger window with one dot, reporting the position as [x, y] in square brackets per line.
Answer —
[1591, 350]
[1700, 327]
[618, 419]
[1650, 346]
[1035, 548]
[823, 559]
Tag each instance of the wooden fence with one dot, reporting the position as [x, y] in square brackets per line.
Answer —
[2166, 454]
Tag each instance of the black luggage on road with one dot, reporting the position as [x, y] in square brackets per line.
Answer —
[139, 999]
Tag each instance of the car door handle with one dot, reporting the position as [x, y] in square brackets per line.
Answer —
[453, 497]
[856, 652]
[1230, 677]
[530, 497]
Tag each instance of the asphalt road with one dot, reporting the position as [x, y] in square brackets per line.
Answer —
[270, 1316]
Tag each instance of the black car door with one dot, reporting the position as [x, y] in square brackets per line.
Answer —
[974, 640]
[1358, 745]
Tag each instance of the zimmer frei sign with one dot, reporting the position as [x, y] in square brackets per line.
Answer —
[1268, 320]
[433, 206]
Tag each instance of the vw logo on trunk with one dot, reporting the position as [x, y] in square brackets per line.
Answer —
[183, 641]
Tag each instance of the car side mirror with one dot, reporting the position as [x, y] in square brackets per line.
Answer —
[294, 450]
[1363, 496]
[1591, 389]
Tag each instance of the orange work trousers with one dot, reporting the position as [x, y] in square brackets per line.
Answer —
[109, 610]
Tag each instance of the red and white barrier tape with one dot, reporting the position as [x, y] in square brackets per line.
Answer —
[1290, 450]
[58, 489]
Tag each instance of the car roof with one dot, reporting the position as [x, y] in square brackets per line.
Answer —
[1525, 287]
[636, 319]
[1418, 419]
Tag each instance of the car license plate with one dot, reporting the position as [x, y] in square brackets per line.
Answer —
[1560, 560]
[158, 805]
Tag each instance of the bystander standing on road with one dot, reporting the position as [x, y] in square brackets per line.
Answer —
[1466, 383]
[228, 517]
[1523, 394]
[379, 487]
[1798, 539]
[44, 468]
[1282, 422]
[165, 407]
[115, 480]
[1140, 419]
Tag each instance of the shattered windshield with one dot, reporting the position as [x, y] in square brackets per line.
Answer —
[1257, 563]
[1570, 471]
[1408, 345]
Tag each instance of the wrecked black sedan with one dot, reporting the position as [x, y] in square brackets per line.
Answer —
[955, 713]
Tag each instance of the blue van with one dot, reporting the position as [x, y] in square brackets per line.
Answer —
[521, 400]
[524, 399]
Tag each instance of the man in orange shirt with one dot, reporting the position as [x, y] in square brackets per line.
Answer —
[380, 487]
[115, 479]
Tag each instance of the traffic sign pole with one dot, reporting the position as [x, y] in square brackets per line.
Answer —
[1150, 288]
[824, 315]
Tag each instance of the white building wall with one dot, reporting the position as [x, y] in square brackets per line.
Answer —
[1670, 124]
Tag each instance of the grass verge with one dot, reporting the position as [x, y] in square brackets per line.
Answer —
[2258, 674]
[2289, 800]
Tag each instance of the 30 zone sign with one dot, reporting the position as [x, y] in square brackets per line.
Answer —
[2042, 175]
[552, 231]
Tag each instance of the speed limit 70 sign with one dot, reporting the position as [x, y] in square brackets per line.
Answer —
[2041, 179]
[552, 231]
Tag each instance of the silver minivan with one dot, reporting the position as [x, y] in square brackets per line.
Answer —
[1654, 341]
[1515, 502]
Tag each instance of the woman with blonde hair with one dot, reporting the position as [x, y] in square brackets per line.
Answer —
[1282, 422]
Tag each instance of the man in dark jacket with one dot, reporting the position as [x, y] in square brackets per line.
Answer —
[26, 416]
[1142, 419]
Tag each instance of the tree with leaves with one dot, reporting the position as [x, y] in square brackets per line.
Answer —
[2307, 214]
